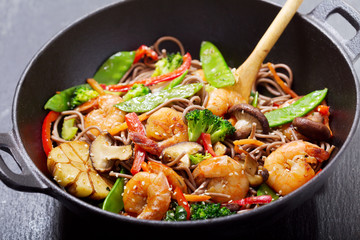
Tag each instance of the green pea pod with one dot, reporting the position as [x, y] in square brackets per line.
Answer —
[61, 101]
[216, 71]
[264, 189]
[176, 81]
[114, 200]
[114, 68]
[150, 101]
[299, 108]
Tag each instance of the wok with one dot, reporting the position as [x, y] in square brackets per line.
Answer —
[318, 55]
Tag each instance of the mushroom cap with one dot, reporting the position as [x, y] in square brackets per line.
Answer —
[246, 115]
[311, 129]
[256, 174]
[103, 154]
[173, 152]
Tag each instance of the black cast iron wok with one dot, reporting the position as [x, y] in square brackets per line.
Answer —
[318, 55]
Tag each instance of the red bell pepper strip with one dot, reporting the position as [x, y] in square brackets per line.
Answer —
[205, 140]
[146, 143]
[181, 200]
[135, 125]
[145, 51]
[323, 110]
[154, 80]
[254, 200]
[46, 131]
[139, 158]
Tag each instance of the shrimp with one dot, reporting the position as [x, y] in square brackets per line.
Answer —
[147, 196]
[221, 99]
[289, 165]
[226, 176]
[174, 179]
[106, 115]
[167, 126]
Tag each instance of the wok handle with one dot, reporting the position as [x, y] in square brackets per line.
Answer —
[328, 7]
[26, 180]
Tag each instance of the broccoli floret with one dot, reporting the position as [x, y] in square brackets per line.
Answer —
[198, 122]
[81, 95]
[168, 64]
[219, 129]
[136, 91]
[176, 213]
[204, 121]
[198, 157]
[208, 210]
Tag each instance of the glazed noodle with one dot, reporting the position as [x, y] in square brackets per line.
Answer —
[236, 172]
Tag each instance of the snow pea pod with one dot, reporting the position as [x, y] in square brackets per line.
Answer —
[216, 71]
[61, 101]
[150, 101]
[176, 81]
[114, 200]
[264, 189]
[114, 68]
[299, 108]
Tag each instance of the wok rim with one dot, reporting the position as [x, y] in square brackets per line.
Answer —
[55, 191]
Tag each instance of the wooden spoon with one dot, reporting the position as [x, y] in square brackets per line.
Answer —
[246, 74]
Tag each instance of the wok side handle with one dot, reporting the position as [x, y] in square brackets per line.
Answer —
[26, 180]
[327, 7]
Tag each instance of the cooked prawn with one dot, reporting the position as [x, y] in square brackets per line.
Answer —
[174, 179]
[105, 116]
[147, 196]
[221, 99]
[289, 165]
[225, 175]
[167, 127]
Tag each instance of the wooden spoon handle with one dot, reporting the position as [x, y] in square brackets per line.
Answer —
[246, 74]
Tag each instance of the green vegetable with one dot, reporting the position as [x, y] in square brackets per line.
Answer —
[209, 88]
[256, 99]
[176, 213]
[114, 68]
[152, 100]
[61, 101]
[299, 108]
[136, 91]
[113, 93]
[208, 210]
[204, 121]
[264, 189]
[69, 130]
[168, 64]
[198, 157]
[176, 81]
[81, 95]
[114, 200]
[216, 71]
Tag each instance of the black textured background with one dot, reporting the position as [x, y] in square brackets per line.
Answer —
[25, 25]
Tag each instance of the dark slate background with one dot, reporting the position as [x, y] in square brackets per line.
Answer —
[25, 25]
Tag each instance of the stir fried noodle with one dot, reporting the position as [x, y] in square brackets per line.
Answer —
[257, 145]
